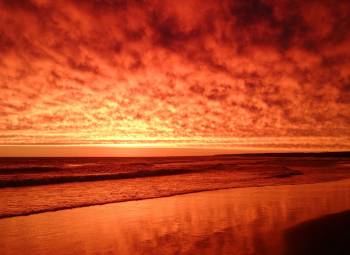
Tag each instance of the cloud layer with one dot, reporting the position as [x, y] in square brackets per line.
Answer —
[209, 72]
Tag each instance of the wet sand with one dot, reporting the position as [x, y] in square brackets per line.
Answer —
[255, 220]
[326, 235]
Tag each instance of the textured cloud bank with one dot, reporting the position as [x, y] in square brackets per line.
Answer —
[211, 72]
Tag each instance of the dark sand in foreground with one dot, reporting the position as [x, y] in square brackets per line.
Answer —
[326, 235]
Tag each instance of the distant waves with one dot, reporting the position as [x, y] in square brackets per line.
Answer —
[34, 176]
[46, 180]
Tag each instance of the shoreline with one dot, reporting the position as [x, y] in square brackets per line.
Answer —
[250, 220]
[171, 195]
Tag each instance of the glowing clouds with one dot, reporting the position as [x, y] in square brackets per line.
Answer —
[111, 71]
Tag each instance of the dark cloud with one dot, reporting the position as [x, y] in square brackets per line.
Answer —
[83, 66]
[168, 32]
[109, 70]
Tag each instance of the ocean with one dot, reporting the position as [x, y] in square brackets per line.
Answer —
[34, 185]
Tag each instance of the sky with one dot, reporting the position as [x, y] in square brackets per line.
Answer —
[252, 75]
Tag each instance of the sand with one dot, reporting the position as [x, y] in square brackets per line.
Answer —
[260, 220]
[326, 235]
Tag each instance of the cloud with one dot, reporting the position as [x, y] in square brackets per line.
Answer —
[99, 71]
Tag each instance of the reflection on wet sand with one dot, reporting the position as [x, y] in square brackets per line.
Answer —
[234, 221]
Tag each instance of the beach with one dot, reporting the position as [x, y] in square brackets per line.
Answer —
[161, 127]
[252, 220]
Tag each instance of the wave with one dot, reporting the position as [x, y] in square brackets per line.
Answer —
[286, 173]
[129, 199]
[88, 178]
[91, 203]
[282, 172]
[197, 190]
[28, 170]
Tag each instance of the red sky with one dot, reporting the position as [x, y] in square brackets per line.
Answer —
[252, 74]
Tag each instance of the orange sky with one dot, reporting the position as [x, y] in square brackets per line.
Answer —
[253, 74]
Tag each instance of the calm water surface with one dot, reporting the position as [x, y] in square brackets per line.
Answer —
[234, 221]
